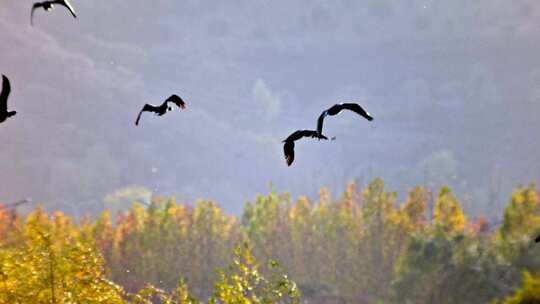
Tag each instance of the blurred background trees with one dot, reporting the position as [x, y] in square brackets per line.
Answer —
[363, 246]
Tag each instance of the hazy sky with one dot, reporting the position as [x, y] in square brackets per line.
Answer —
[454, 87]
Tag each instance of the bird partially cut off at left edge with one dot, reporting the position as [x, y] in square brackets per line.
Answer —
[288, 147]
[6, 89]
[49, 5]
[163, 108]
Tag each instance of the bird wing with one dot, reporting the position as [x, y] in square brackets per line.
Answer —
[288, 147]
[67, 5]
[34, 7]
[357, 109]
[314, 134]
[6, 89]
[320, 122]
[294, 136]
[138, 118]
[288, 150]
[146, 108]
[177, 101]
[308, 133]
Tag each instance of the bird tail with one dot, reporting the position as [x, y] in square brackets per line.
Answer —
[12, 113]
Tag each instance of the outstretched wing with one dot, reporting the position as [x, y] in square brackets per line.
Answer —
[146, 108]
[138, 118]
[177, 101]
[320, 122]
[357, 109]
[66, 4]
[288, 150]
[6, 89]
[288, 147]
[308, 133]
[34, 7]
[296, 135]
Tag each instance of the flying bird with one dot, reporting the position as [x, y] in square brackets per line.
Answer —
[6, 89]
[537, 239]
[16, 204]
[335, 109]
[49, 5]
[163, 108]
[288, 147]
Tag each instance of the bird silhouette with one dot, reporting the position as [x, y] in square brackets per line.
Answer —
[6, 89]
[16, 204]
[49, 5]
[537, 239]
[288, 147]
[163, 108]
[335, 109]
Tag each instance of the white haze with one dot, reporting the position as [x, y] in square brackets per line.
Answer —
[453, 86]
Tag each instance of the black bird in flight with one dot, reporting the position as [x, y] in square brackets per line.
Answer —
[163, 108]
[16, 204]
[6, 89]
[48, 5]
[335, 109]
[288, 147]
[537, 239]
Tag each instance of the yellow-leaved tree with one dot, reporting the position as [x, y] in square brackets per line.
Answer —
[448, 215]
[54, 263]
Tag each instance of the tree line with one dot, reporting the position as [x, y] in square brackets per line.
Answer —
[363, 247]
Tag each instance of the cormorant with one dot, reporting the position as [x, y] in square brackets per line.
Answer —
[163, 108]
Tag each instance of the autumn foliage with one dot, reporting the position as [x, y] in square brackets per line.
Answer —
[363, 247]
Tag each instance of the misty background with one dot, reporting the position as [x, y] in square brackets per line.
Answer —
[454, 87]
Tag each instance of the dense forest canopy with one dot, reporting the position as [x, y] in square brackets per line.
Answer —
[364, 247]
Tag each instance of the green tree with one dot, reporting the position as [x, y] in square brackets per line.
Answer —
[245, 283]
[528, 293]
